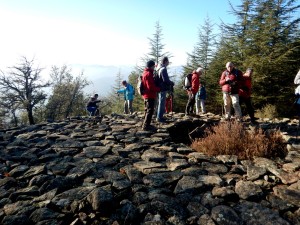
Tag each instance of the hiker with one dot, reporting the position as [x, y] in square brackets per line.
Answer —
[200, 99]
[169, 100]
[164, 85]
[297, 93]
[150, 91]
[128, 92]
[92, 106]
[245, 94]
[230, 81]
[192, 91]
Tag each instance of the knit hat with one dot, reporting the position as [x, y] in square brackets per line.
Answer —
[150, 63]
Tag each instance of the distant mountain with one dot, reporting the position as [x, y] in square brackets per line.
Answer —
[103, 77]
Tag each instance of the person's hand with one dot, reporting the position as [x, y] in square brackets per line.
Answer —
[228, 81]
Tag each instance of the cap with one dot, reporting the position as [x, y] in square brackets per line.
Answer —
[150, 63]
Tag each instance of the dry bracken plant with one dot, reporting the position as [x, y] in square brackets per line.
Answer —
[234, 139]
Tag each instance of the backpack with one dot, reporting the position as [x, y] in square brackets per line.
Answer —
[187, 82]
[133, 89]
[139, 85]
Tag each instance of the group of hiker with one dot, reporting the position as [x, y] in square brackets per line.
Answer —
[158, 93]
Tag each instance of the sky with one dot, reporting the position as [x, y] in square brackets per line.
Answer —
[104, 33]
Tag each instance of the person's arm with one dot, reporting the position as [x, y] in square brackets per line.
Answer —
[297, 78]
[165, 77]
[121, 91]
[222, 79]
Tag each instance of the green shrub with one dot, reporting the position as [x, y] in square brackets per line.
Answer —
[267, 111]
[233, 139]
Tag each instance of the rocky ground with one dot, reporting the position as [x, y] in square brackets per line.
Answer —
[79, 172]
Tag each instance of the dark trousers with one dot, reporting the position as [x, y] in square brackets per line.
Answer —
[249, 107]
[190, 104]
[149, 110]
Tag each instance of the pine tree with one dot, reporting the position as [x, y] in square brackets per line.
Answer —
[202, 55]
[116, 101]
[263, 38]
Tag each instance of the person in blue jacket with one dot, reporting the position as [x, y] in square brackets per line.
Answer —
[128, 92]
[200, 99]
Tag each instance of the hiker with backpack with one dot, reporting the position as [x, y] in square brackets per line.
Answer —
[230, 81]
[128, 91]
[164, 85]
[200, 99]
[149, 93]
[245, 94]
[192, 90]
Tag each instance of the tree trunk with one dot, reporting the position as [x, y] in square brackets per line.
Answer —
[30, 115]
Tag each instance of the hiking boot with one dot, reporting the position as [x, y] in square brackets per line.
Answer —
[149, 128]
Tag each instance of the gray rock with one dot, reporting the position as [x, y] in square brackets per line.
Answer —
[161, 179]
[16, 220]
[153, 156]
[278, 203]
[188, 184]
[291, 196]
[223, 192]
[196, 209]
[96, 151]
[205, 220]
[149, 167]
[8, 182]
[209, 201]
[44, 214]
[18, 171]
[224, 215]
[286, 178]
[228, 159]
[252, 213]
[248, 190]
[214, 168]
[60, 183]
[254, 172]
[211, 180]
[33, 171]
[28, 191]
[101, 199]
[176, 164]
[133, 174]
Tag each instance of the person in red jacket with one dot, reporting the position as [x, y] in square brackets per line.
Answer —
[149, 95]
[245, 93]
[230, 81]
[192, 91]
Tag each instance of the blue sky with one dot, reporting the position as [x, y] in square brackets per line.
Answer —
[93, 35]
[105, 32]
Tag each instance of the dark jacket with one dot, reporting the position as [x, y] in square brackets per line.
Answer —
[150, 89]
[92, 103]
[231, 81]
[165, 82]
